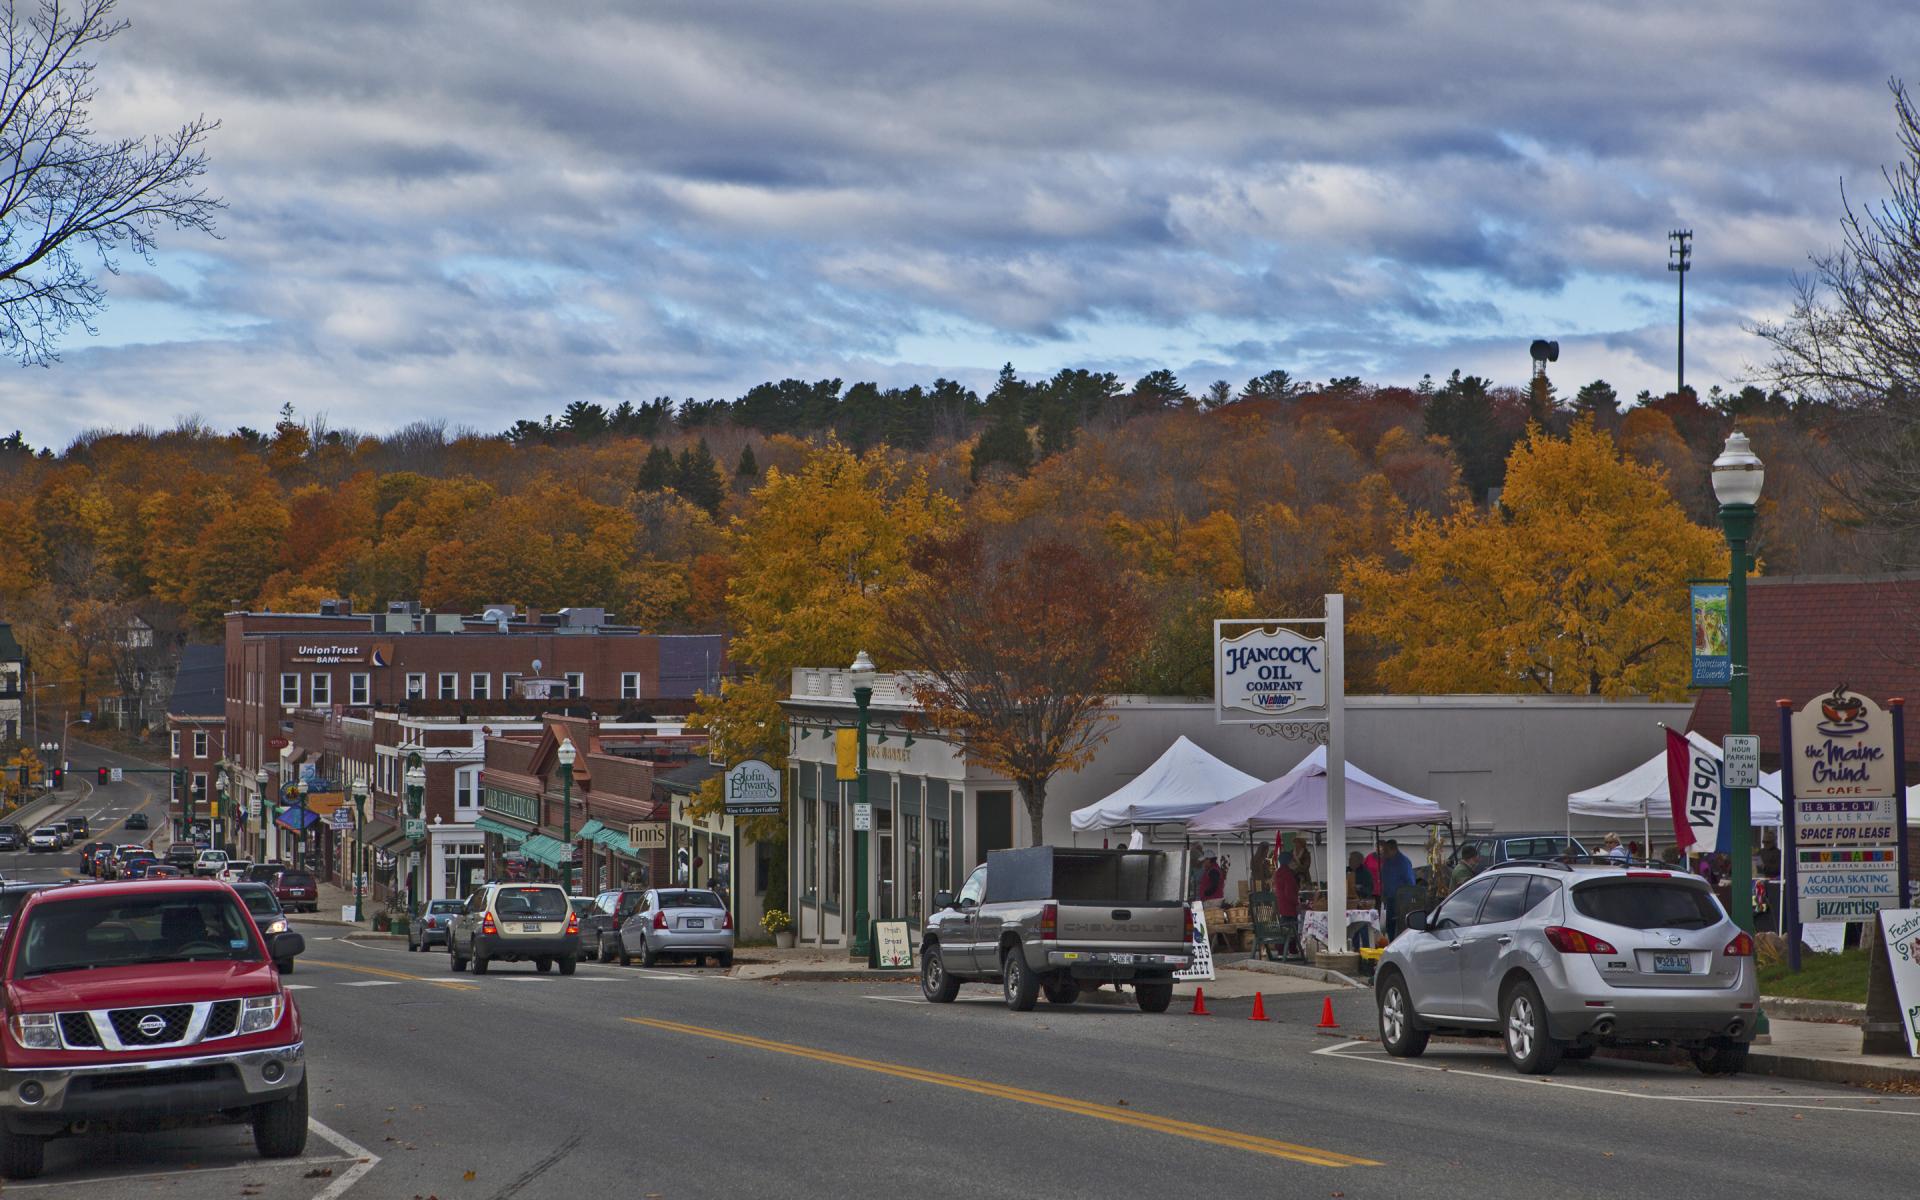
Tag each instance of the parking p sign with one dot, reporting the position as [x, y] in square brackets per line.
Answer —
[1742, 766]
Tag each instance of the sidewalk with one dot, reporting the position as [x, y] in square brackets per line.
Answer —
[1828, 1053]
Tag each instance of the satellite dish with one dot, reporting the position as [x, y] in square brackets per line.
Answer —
[536, 666]
[1544, 351]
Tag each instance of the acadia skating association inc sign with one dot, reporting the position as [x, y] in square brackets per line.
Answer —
[1274, 672]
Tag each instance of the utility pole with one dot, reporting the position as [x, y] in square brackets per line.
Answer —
[1680, 261]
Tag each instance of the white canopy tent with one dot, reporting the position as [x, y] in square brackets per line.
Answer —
[1298, 800]
[1641, 794]
[1181, 783]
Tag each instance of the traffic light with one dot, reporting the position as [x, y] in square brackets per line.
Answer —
[59, 778]
[103, 774]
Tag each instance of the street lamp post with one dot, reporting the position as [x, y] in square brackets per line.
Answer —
[301, 854]
[566, 755]
[1737, 478]
[266, 814]
[359, 845]
[863, 674]
[416, 779]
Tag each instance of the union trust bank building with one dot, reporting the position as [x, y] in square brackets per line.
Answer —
[1494, 762]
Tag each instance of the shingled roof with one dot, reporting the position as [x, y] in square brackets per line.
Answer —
[200, 683]
[1805, 634]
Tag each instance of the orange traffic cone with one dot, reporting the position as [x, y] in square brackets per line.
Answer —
[1259, 1008]
[1326, 1015]
[1200, 1003]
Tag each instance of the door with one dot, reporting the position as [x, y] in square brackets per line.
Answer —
[633, 929]
[1486, 944]
[959, 925]
[1435, 952]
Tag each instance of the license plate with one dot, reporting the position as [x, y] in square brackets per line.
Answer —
[1120, 958]
[694, 923]
[530, 927]
[1673, 964]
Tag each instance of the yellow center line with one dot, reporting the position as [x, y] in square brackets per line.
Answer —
[382, 971]
[1086, 1108]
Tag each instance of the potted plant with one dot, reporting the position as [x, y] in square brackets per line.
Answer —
[780, 925]
[381, 920]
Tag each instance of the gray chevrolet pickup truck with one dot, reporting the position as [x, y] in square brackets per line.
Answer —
[1050, 919]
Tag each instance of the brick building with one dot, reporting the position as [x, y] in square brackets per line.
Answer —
[197, 732]
[334, 699]
[13, 687]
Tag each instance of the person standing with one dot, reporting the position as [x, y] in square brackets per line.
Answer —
[1612, 848]
[1213, 881]
[1396, 872]
[1359, 878]
[1286, 889]
[1467, 867]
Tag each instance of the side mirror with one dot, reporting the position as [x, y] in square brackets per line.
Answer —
[942, 900]
[283, 946]
[1417, 921]
[969, 902]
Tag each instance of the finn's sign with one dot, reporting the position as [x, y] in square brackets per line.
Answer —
[1271, 671]
[753, 789]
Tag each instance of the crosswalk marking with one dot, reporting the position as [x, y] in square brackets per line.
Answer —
[373, 983]
[298, 987]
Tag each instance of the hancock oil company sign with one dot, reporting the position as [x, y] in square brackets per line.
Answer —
[1272, 672]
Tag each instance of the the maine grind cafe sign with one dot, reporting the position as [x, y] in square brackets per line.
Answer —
[1272, 671]
[1843, 808]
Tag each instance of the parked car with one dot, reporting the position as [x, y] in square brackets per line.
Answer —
[264, 872]
[1558, 959]
[515, 922]
[13, 895]
[1497, 848]
[182, 855]
[600, 928]
[45, 839]
[677, 923]
[266, 912]
[194, 988]
[61, 832]
[137, 820]
[210, 863]
[430, 924]
[235, 871]
[297, 891]
[1049, 919]
[10, 838]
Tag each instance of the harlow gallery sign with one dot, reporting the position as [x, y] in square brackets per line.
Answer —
[1269, 670]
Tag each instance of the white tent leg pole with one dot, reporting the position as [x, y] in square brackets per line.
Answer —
[1336, 684]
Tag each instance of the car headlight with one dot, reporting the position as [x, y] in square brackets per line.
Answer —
[36, 1031]
[278, 925]
[260, 1013]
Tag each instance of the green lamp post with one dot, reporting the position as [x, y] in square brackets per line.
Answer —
[300, 847]
[416, 779]
[566, 755]
[1737, 477]
[862, 674]
[266, 812]
[359, 847]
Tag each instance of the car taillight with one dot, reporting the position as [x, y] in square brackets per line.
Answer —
[1740, 947]
[1186, 911]
[573, 922]
[487, 925]
[1572, 941]
[660, 920]
[1049, 922]
[726, 920]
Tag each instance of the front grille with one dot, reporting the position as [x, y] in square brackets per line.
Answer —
[223, 1019]
[172, 1077]
[76, 1029]
[174, 1018]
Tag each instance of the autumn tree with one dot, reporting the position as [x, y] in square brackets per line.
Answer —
[1575, 583]
[1015, 648]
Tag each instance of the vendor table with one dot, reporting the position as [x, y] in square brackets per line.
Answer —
[1314, 924]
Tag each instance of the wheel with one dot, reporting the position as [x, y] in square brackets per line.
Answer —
[1578, 1053]
[479, 962]
[543, 964]
[1154, 997]
[1064, 992]
[280, 1127]
[1398, 1033]
[454, 961]
[285, 968]
[568, 964]
[935, 984]
[413, 947]
[1530, 1047]
[725, 960]
[647, 956]
[1721, 1056]
[1017, 980]
[22, 1155]
[626, 960]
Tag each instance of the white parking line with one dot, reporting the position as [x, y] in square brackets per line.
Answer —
[373, 983]
[1810, 1104]
[894, 999]
[368, 1161]
[298, 987]
[310, 1162]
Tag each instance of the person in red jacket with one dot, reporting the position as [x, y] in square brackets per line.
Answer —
[1286, 889]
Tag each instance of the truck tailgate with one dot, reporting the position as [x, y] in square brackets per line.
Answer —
[1152, 928]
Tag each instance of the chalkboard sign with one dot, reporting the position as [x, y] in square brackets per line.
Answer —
[892, 944]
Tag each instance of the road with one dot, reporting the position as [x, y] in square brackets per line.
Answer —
[687, 1082]
[106, 807]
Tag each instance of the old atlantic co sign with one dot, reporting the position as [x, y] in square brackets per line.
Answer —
[1272, 671]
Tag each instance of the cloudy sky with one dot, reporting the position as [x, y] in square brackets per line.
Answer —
[480, 211]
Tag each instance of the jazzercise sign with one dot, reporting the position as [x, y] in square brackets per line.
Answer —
[1272, 672]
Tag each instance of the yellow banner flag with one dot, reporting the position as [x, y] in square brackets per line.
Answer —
[846, 754]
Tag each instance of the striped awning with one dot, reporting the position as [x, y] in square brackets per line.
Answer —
[500, 829]
[593, 829]
[543, 849]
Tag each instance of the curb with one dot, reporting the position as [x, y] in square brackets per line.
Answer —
[1827, 1070]
[1296, 970]
[1832, 1012]
[375, 937]
[834, 975]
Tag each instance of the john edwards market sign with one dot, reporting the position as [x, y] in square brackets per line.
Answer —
[1272, 671]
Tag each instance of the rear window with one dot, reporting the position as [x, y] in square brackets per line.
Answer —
[547, 903]
[109, 931]
[10, 901]
[299, 879]
[260, 901]
[1647, 904]
[445, 906]
[690, 900]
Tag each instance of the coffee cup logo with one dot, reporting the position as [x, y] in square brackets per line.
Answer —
[1843, 712]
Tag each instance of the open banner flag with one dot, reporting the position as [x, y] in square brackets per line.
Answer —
[1693, 787]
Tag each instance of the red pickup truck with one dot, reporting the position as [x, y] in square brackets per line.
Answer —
[142, 1005]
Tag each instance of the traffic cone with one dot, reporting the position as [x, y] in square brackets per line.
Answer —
[1200, 1003]
[1259, 1008]
[1326, 1015]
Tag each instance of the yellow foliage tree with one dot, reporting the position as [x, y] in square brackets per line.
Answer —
[1574, 584]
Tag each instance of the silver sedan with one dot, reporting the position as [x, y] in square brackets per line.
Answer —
[678, 923]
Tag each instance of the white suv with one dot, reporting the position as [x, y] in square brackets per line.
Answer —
[235, 870]
[210, 862]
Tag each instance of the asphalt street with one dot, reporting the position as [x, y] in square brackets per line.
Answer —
[686, 1082]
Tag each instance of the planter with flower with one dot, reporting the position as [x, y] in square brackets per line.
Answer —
[780, 925]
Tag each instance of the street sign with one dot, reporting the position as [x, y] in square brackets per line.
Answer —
[862, 818]
[647, 835]
[1741, 767]
[416, 828]
[342, 818]
[117, 775]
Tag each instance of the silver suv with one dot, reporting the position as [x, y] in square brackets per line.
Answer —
[1557, 959]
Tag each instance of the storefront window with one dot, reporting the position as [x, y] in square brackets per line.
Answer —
[831, 818]
[883, 861]
[910, 827]
[809, 838]
[940, 835]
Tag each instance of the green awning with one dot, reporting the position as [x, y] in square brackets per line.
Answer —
[593, 829]
[543, 849]
[598, 831]
[489, 825]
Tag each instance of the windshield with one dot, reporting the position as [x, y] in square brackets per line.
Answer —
[1645, 904]
[260, 901]
[689, 900]
[520, 903]
[111, 931]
